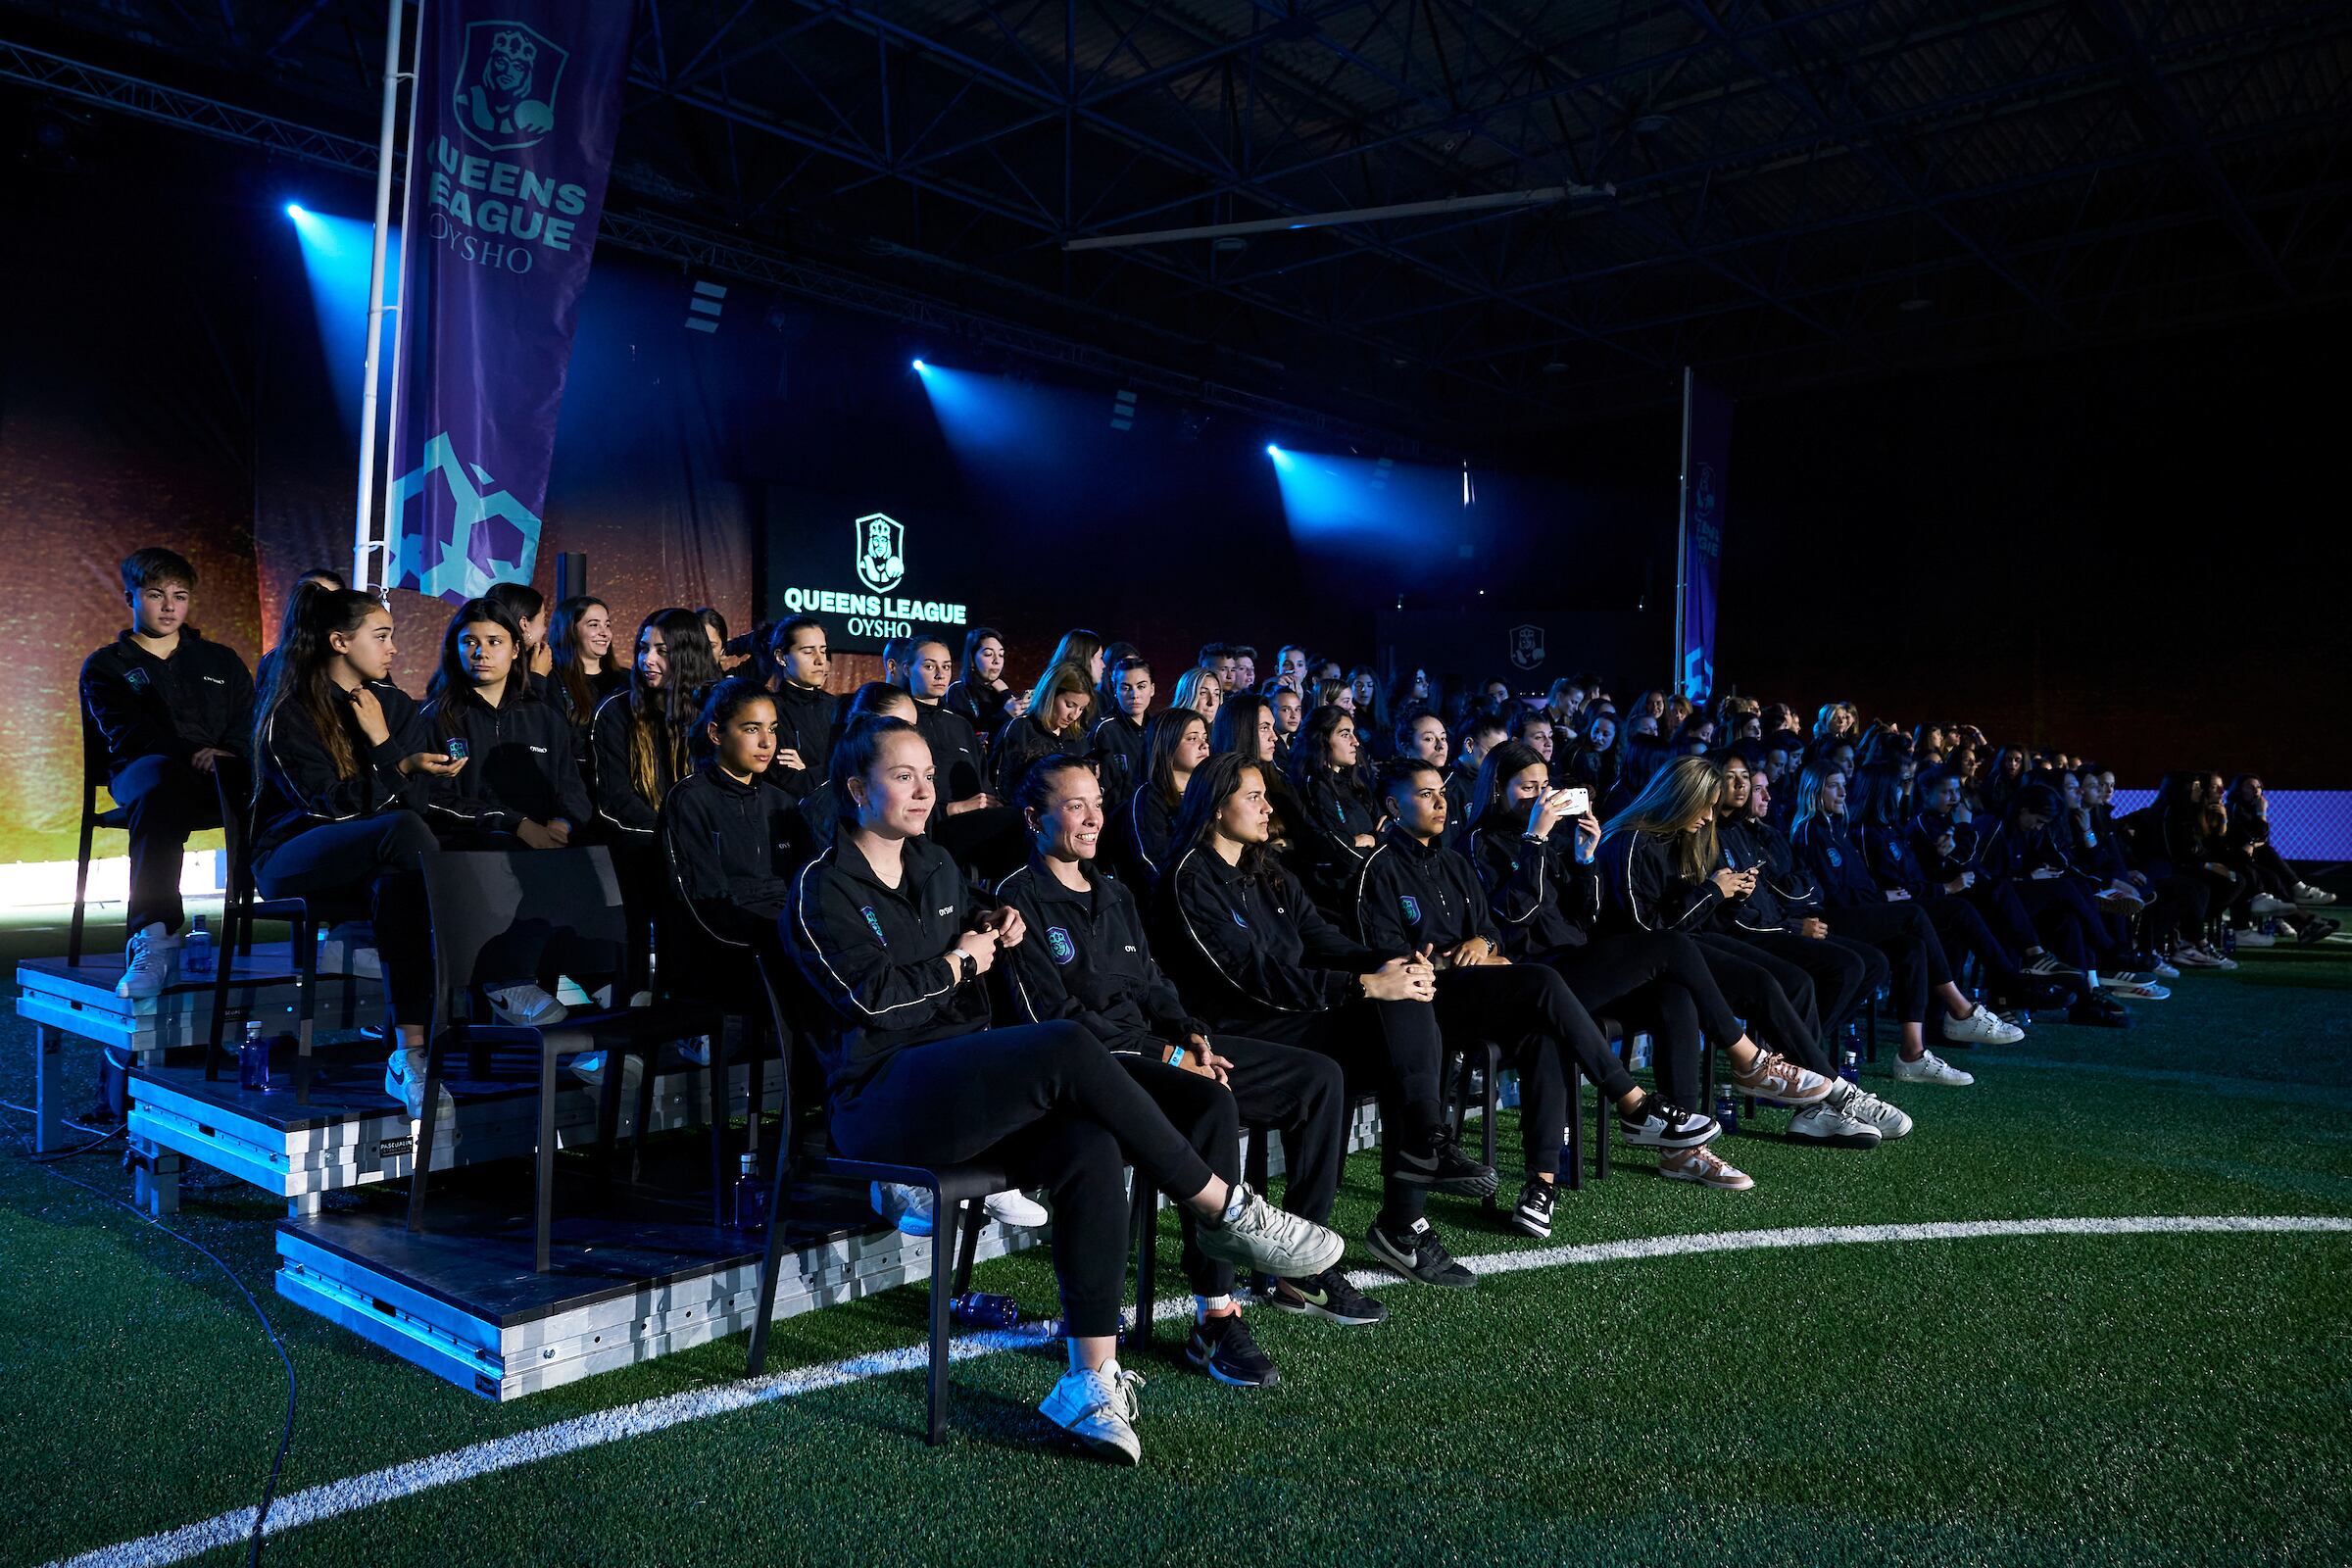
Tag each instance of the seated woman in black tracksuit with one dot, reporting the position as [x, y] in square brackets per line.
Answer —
[1339, 814]
[1942, 844]
[1175, 743]
[1417, 896]
[980, 692]
[1087, 960]
[1781, 914]
[801, 658]
[882, 926]
[1421, 737]
[522, 787]
[2249, 809]
[1117, 742]
[1894, 924]
[584, 667]
[1255, 957]
[1054, 724]
[642, 738]
[978, 828]
[345, 769]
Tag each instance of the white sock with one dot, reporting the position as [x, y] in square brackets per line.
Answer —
[1203, 1306]
[1234, 1198]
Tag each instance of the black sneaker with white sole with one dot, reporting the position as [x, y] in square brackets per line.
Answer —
[1532, 1215]
[1442, 1168]
[1223, 1347]
[1418, 1254]
[1327, 1296]
[1664, 1126]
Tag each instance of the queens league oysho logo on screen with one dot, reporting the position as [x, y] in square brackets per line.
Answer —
[881, 552]
[506, 96]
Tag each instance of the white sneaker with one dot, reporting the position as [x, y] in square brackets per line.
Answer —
[1832, 1129]
[1013, 1207]
[1706, 1167]
[403, 1081]
[148, 962]
[2256, 939]
[2221, 960]
[526, 1007]
[2305, 893]
[1267, 1240]
[1864, 1106]
[1930, 1068]
[2165, 971]
[909, 1209]
[1983, 1027]
[1097, 1408]
[2264, 903]
[2047, 963]
[2133, 987]
[2195, 958]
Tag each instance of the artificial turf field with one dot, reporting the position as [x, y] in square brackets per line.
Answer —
[2126, 1399]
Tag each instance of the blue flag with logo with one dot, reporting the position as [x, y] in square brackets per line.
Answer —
[1706, 461]
[518, 103]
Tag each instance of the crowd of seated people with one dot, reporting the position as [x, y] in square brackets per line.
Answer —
[1238, 909]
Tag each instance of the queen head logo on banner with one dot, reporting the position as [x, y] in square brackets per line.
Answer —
[506, 93]
[1527, 646]
[881, 551]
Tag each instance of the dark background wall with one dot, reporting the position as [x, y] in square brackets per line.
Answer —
[2131, 551]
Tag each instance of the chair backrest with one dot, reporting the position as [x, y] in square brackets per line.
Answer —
[233, 786]
[93, 756]
[500, 917]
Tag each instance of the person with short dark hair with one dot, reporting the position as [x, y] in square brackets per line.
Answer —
[1255, 957]
[1087, 959]
[802, 658]
[1290, 713]
[883, 928]
[169, 705]
[1116, 742]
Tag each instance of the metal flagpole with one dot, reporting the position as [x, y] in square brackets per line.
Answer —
[1681, 543]
[389, 522]
[364, 536]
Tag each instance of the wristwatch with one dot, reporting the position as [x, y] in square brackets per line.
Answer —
[967, 966]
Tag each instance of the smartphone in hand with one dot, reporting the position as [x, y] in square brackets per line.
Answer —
[456, 749]
[1579, 799]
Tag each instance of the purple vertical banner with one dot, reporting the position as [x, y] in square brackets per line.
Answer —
[517, 102]
[1706, 461]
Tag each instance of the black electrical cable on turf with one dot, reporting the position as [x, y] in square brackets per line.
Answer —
[285, 1436]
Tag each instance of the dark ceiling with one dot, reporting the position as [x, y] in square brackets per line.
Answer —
[1786, 194]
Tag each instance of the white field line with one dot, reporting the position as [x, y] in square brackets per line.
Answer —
[353, 1493]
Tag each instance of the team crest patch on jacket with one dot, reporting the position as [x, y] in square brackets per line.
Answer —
[875, 922]
[1412, 909]
[1834, 858]
[1059, 943]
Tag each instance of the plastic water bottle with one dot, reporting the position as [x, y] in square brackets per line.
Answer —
[984, 1309]
[198, 959]
[751, 1197]
[2228, 941]
[1506, 1092]
[1726, 1113]
[1849, 1069]
[253, 1058]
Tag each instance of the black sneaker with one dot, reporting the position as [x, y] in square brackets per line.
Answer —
[1664, 1126]
[1532, 1215]
[1418, 1254]
[1223, 1348]
[1327, 1295]
[1442, 1168]
[2097, 1012]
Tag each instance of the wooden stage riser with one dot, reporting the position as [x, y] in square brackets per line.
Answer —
[302, 1163]
[82, 1002]
[695, 1309]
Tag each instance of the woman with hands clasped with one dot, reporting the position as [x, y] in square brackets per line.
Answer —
[882, 925]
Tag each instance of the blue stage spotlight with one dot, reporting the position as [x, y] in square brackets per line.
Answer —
[921, 366]
[294, 211]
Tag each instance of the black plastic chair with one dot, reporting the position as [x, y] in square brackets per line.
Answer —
[93, 777]
[956, 1193]
[240, 906]
[498, 915]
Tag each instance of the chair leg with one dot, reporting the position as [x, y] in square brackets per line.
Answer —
[1870, 1029]
[717, 1074]
[1254, 1165]
[1144, 1219]
[1601, 1117]
[224, 963]
[306, 985]
[1494, 1071]
[779, 1195]
[421, 1171]
[942, 1293]
[1575, 1162]
[81, 884]
[543, 1219]
[967, 1247]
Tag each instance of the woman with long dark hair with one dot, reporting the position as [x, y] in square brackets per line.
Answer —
[1175, 745]
[527, 606]
[980, 692]
[1093, 965]
[1594, 756]
[884, 929]
[523, 786]
[344, 769]
[642, 737]
[1255, 957]
[584, 667]
[1340, 815]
